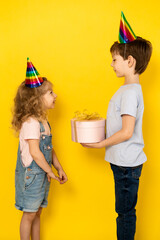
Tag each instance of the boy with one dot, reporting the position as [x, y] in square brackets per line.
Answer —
[124, 143]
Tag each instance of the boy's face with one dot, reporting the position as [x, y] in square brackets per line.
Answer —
[120, 66]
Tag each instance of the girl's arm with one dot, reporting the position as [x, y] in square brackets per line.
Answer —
[128, 123]
[55, 161]
[39, 158]
[58, 167]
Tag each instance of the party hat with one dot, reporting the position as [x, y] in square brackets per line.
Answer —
[33, 79]
[126, 33]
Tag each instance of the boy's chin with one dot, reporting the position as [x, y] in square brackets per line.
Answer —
[119, 75]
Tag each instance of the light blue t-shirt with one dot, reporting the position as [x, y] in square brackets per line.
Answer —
[127, 100]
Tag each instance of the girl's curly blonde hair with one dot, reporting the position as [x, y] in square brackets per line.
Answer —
[28, 102]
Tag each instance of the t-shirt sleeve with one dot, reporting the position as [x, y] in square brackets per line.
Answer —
[31, 129]
[129, 103]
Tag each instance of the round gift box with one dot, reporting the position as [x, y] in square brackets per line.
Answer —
[88, 131]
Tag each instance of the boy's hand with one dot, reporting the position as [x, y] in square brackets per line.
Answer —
[93, 145]
[62, 176]
[51, 175]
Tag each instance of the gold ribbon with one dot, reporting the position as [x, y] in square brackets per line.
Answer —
[85, 115]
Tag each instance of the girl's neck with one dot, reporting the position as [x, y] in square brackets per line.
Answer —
[131, 79]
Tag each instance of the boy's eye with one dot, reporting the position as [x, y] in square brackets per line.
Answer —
[51, 92]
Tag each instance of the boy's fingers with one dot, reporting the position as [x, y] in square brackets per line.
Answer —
[85, 145]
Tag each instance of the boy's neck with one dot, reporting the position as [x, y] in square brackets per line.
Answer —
[131, 79]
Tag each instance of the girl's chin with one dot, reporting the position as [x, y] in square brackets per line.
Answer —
[51, 107]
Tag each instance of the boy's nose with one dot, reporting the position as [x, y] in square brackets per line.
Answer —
[55, 95]
[112, 64]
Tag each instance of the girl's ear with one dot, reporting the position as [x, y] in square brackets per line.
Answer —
[131, 61]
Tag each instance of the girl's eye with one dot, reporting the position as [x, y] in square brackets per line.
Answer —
[51, 92]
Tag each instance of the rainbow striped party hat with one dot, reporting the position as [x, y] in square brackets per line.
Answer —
[126, 33]
[33, 79]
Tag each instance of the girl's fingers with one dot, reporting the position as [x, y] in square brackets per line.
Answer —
[64, 179]
[61, 179]
[60, 176]
[57, 178]
[49, 178]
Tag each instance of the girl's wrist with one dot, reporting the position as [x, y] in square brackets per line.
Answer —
[59, 169]
[49, 171]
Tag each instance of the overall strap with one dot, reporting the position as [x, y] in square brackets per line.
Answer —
[19, 151]
[49, 125]
[42, 129]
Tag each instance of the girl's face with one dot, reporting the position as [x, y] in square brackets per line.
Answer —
[49, 99]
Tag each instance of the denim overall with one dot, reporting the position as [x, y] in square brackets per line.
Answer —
[31, 182]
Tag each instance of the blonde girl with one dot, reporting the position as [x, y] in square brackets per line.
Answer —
[35, 152]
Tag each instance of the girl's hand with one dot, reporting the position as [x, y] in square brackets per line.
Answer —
[49, 178]
[93, 145]
[62, 176]
[51, 175]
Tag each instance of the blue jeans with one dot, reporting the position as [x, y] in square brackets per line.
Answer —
[126, 189]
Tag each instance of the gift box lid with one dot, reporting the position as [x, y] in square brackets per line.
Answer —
[88, 123]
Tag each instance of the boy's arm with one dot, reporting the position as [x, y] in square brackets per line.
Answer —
[39, 158]
[59, 168]
[128, 123]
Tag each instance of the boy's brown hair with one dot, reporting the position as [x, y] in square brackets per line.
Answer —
[140, 49]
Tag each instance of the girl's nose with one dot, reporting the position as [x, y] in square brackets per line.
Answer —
[55, 95]
[112, 64]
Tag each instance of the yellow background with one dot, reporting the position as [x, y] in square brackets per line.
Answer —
[68, 41]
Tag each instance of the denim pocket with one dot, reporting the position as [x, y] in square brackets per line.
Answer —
[136, 172]
[29, 180]
[47, 147]
[118, 168]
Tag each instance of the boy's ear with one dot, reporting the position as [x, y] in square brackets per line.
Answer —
[131, 61]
